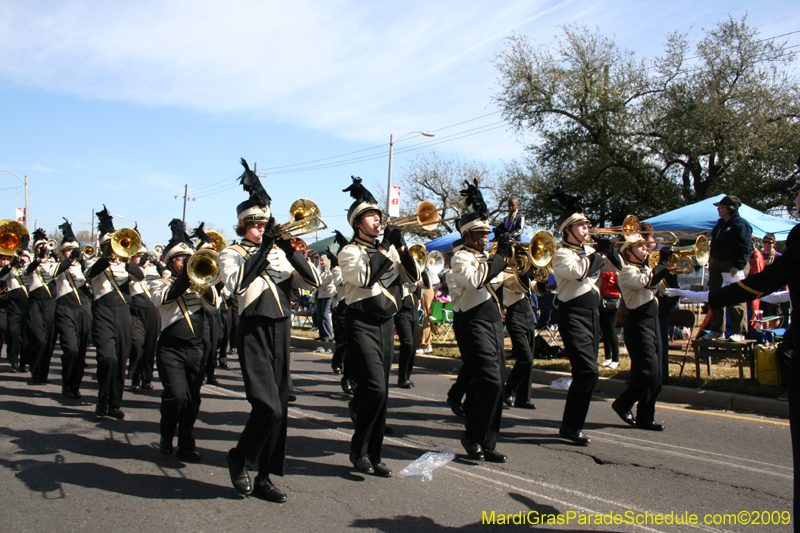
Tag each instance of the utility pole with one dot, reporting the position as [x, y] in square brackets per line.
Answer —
[186, 198]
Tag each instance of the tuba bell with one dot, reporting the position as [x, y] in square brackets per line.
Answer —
[126, 242]
[203, 269]
[12, 235]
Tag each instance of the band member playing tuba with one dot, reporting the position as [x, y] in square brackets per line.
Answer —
[261, 272]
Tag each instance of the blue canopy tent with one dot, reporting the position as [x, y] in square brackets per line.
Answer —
[690, 220]
[445, 242]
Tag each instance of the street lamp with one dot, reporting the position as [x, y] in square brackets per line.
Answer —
[391, 153]
[25, 181]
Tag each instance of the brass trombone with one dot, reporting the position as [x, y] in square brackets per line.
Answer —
[203, 269]
[632, 228]
[126, 242]
[681, 260]
[11, 237]
[537, 254]
[427, 217]
[304, 218]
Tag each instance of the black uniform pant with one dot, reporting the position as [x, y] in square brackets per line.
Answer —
[145, 328]
[111, 334]
[340, 358]
[41, 335]
[370, 349]
[480, 341]
[225, 338]
[643, 339]
[521, 327]
[579, 328]
[609, 313]
[73, 325]
[213, 335]
[406, 321]
[180, 367]
[263, 348]
[17, 332]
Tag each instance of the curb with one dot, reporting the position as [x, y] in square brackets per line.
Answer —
[669, 393]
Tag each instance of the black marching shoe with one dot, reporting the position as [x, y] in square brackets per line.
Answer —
[493, 456]
[362, 464]
[239, 477]
[263, 488]
[473, 448]
[382, 470]
[292, 398]
[508, 399]
[650, 426]
[347, 387]
[626, 416]
[64, 391]
[165, 447]
[146, 385]
[101, 409]
[575, 435]
[405, 384]
[14, 368]
[337, 370]
[456, 407]
[211, 380]
[192, 456]
[75, 395]
[114, 412]
[524, 405]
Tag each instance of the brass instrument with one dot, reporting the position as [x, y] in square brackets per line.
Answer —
[11, 234]
[217, 241]
[420, 255]
[126, 242]
[631, 228]
[158, 249]
[304, 218]
[427, 218]
[435, 263]
[89, 250]
[203, 269]
[52, 244]
[537, 254]
[681, 260]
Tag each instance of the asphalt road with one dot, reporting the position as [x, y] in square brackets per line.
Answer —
[65, 470]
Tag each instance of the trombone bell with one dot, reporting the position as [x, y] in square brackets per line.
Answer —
[11, 234]
[304, 218]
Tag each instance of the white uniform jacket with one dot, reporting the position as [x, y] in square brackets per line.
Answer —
[468, 272]
[183, 311]
[577, 270]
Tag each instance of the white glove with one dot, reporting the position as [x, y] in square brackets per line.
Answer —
[776, 297]
[689, 296]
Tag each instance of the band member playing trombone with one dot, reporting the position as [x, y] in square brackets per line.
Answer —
[576, 267]
[180, 350]
[73, 312]
[478, 325]
[261, 272]
[373, 273]
[642, 333]
[42, 309]
[111, 317]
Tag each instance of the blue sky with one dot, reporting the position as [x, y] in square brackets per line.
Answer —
[125, 103]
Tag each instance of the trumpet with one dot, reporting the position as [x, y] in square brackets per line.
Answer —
[304, 219]
[11, 237]
[203, 270]
[89, 250]
[631, 228]
[537, 254]
[681, 260]
[125, 242]
[427, 217]
[217, 241]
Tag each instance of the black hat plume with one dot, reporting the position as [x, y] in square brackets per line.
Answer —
[474, 199]
[252, 184]
[572, 203]
[66, 231]
[200, 234]
[105, 222]
[39, 235]
[358, 192]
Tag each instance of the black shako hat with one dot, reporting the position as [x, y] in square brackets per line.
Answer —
[105, 224]
[180, 243]
[573, 208]
[364, 201]
[68, 241]
[257, 207]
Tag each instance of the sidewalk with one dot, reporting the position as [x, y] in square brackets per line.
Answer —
[608, 386]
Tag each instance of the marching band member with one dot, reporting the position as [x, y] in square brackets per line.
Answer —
[406, 322]
[73, 312]
[478, 325]
[638, 284]
[373, 274]
[521, 327]
[261, 272]
[145, 322]
[340, 362]
[17, 309]
[213, 324]
[576, 267]
[41, 310]
[111, 319]
[180, 354]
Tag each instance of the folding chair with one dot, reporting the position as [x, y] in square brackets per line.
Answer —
[441, 321]
[682, 318]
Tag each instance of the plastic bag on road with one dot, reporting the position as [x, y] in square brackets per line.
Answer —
[423, 467]
[561, 383]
